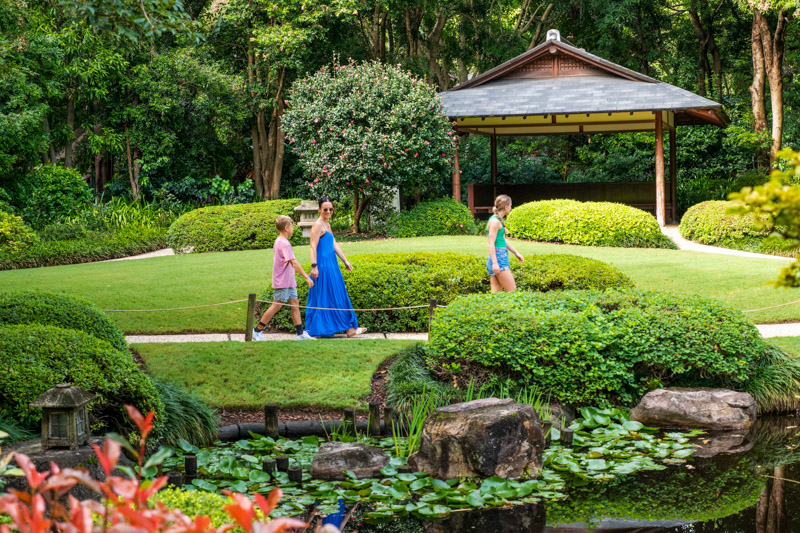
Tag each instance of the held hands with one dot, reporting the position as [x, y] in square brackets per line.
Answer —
[310, 282]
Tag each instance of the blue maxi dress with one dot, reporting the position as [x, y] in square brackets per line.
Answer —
[328, 291]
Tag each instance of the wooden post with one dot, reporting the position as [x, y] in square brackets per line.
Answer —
[566, 437]
[271, 420]
[175, 479]
[673, 172]
[432, 303]
[388, 420]
[374, 428]
[268, 466]
[547, 426]
[251, 313]
[350, 420]
[493, 146]
[282, 462]
[456, 174]
[660, 207]
[190, 467]
[296, 475]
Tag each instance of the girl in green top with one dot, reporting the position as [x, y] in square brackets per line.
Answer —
[497, 264]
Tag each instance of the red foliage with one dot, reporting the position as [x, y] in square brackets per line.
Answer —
[124, 507]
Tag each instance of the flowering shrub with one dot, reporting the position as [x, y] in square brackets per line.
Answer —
[125, 504]
[361, 128]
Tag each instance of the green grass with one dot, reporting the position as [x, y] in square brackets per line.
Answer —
[330, 374]
[188, 280]
[790, 344]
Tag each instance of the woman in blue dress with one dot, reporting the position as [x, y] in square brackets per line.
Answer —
[329, 289]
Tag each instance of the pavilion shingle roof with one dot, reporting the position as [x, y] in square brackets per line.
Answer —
[565, 95]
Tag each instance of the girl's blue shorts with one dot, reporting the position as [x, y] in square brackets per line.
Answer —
[502, 261]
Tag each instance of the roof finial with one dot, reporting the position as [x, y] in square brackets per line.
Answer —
[553, 35]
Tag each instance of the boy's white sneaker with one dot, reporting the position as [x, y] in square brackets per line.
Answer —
[259, 335]
[305, 337]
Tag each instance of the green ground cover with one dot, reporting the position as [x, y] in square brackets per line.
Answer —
[790, 344]
[331, 374]
[198, 279]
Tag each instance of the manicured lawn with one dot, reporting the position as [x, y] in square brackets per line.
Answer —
[790, 344]
[188, 280]
[331, 374]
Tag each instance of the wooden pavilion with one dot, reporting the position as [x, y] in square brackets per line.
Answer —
[556, 89]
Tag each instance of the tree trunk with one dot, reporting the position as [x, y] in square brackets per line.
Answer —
[773, 51]
[359, 204]
[133, 175]
[757, 88]
[68, 159]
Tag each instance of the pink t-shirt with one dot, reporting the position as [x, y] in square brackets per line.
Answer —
[282, 269]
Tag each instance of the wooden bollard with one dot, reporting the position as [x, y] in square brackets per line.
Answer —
[350, 421]
[190, 467]
[388, 420]
[271, 420]
[268, 466]
[566, 437]
[283, 463]
[175, 479]
[251, 315]
[296, 475]
[403, 469]
[374, 428]
[432, 303]
[547, 427]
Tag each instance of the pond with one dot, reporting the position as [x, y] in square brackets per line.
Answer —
[756, 490]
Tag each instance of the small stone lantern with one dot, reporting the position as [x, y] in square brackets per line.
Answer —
[65, 422]
[308, 211]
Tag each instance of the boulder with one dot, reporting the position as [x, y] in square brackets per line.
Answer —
[488, 437]
[713, 409]
[333, 458]
[83, 457]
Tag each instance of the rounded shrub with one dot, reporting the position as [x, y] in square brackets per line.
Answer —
[15, 235]
[33, 307]
[223, 228]
[196, 503]
[587, 224]
[708, 223]
[56, 193]
[590, 347]
[401, 280]
[444, 216]
[37, 358]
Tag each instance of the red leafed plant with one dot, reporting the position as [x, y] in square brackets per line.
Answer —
[124, 504]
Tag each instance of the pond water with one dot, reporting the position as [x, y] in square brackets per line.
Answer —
[749, 484]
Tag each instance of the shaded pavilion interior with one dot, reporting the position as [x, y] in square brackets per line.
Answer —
[556, 89]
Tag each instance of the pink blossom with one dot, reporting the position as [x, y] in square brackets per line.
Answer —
[367, 181]
[351, 122]
[347, 183]
[316, 180]
[316, 120]
[406, 149]
[416, 154]
[315, 142]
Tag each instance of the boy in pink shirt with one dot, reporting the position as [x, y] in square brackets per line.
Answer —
[284, 284]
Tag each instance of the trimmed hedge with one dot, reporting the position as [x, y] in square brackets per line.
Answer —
[400, 280]
[94, 246]
[222, 228]
[196, 503]
[46, 308]
[707, 223]
[444, 216]
[37, 358]
[587, 224]
[591, 347]
[15, 235]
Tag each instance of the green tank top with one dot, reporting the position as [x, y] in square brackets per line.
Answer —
[500, 241]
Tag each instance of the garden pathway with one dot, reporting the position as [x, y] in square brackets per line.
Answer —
[157, 253]
[671, 231]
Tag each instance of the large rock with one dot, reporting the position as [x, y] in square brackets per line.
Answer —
[83, 457]
[333, 458]
[714, 409]
[485, 438]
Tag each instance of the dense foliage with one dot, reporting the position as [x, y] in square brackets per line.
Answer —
[434, 217]
[586, 223]
[400, 280]
[15, 235]
[44, 308]
[37, 358]
[51, 193]
[230, 227]
[710, 223]
[585, 347]
[186, 416]
[363, 128]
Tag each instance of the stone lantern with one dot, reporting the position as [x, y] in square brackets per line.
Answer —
[65, 422]
[308, 211]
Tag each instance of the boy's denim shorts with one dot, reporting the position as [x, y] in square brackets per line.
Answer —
[284, 295]
[502, 261]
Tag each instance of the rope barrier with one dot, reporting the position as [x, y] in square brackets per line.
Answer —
[770, 307]
[349, 309]
[172, 309]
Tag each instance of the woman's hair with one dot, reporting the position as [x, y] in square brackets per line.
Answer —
[500, 203]
[323, 200]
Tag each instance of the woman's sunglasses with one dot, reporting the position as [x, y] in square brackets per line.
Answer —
[328, 209]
